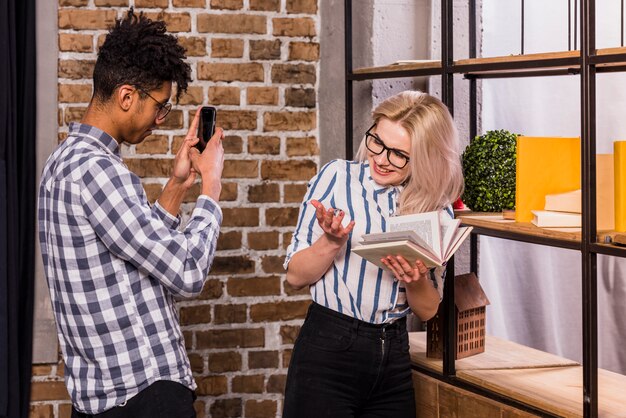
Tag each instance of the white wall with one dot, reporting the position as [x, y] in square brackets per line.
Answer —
[536, 290]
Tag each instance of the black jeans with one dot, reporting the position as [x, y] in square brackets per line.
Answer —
[342, 367]
[162, 399]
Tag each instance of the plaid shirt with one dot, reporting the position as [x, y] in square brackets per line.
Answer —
[114, 264]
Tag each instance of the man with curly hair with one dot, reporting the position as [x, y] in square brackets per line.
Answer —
[114, 262]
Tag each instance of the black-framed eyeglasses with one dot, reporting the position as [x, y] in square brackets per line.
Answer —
[376, 146]
[164, 108]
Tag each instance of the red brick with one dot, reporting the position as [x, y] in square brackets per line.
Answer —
[264, 49]
[290, 291]
[232, 23]
[300, 97]
[263, 359]
[200, 408]
[213, 289]
[229, 192]
[254, 286]
[197, 363]
[227, 4]
[150, 167]
[229, 240]
[74, 114]
[264, 193]
[265, 240]
[111, 3]
[284, 216]
[289, 121]
[284, 26]
[231, 314]
[231, 72]
[65, 410]
[288, 170]
[302, 6]
[154, 144]
[304, 51]
[41, 369]
[73, 3]
[289, 333]
[226, 408]
[86, 19]
[248, 384]
[222, 95]
[294, 193]
[191, 315]
[155, 4]
[211, 385]
[278, 311]
[230, 338]
[40, 411]
[262, 95]
[236, 264]
[233, 144]
[173, 120]
[293, 73]
[193, 96]
[195, 46]
[276, 383]
[176, 22]
[229, 361]
[74, 93]
[301, 147]
[260, 408]
[240, 169]
[48, 391]
[265, 5]
[189, 3]
[273, 264]
[227, 48]
[75, 42]
[241, 120]
[264, 145]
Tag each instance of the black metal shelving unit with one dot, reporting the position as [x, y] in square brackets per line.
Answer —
[585, 63]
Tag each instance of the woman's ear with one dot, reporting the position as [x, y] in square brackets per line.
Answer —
[125, 96]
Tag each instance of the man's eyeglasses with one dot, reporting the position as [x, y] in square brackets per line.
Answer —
[376, 146]
[164, 108]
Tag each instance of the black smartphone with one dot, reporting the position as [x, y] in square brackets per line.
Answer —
[206, 127]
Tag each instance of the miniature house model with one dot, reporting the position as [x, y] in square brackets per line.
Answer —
[470, 302]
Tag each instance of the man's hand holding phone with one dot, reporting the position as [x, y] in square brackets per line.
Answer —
[210, 162]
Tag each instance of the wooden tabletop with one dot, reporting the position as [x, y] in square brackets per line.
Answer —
[545, 381]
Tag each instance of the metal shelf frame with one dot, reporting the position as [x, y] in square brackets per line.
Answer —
[586, 65]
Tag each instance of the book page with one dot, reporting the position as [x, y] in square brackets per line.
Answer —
[460, 235]
[449, 229]
[382, 237]
[425, 225]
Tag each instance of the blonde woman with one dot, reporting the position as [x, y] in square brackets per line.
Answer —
[351, 358]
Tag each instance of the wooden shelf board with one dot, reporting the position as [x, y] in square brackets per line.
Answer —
[542, 380]
[495, 222]
[499, 354]
[518, 58]
[423, 65]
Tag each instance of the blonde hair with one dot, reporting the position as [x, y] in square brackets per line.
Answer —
[435, 177]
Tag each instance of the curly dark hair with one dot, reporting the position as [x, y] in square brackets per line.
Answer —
[137, 51]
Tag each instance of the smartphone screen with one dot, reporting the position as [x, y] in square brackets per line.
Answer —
[206, 127]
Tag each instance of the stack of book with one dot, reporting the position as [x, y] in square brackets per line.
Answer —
[432, 237]
[562, 210]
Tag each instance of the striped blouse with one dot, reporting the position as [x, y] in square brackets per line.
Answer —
[352, 285]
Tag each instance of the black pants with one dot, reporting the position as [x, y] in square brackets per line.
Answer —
[342, 367]
[162, 399]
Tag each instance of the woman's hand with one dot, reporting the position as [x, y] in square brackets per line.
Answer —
[330, 222]
[403, 271]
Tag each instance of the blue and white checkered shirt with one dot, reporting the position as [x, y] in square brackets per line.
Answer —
[114, 264]
[352, 285]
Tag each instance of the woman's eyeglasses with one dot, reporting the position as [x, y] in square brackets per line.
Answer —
[376, 146]
[164, 108]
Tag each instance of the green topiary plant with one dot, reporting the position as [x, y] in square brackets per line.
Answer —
[489, 171]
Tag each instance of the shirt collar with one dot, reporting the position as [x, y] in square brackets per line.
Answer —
[103, 138]
[377, 187]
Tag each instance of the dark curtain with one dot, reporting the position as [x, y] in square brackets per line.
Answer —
[17, 203]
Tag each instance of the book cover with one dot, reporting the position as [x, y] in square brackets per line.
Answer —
[564, 202]
[549, 219]
[544, 166]
[619, 148]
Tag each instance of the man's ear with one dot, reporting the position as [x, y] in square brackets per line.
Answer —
[125, 96]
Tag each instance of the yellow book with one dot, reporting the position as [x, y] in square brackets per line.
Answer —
[619, 148]
[605, 194]
[544, 166]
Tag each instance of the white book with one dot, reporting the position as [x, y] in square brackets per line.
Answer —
[549, 219]
[431, 237]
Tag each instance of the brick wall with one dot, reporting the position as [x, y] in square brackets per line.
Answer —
[257, 61]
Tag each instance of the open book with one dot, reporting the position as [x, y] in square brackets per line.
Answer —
[431, 237]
